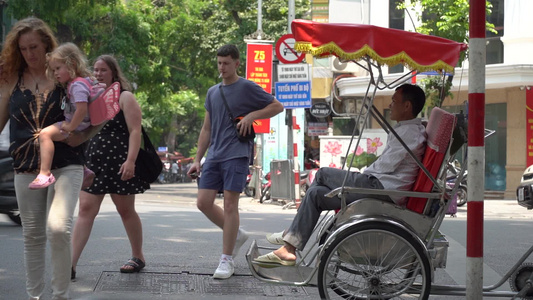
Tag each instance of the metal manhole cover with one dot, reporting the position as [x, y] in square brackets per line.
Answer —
[190, 283]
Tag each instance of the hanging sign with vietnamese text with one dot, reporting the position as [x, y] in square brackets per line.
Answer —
[259, 70]
[295, 94]
[293, 72]
[259, 65]
[320, 110]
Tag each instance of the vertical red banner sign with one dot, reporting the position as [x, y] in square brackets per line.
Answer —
[259, 70]
[529, 126]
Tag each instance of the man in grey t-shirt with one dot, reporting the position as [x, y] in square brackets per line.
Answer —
[226, 166]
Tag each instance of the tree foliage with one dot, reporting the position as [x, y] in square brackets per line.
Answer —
[166, 48]
[445, 18]
[448, 19]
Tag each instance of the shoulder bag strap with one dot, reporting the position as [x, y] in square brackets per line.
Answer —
[225, 103]
[146, 139]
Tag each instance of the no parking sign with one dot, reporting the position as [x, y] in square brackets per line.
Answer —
[285, 50]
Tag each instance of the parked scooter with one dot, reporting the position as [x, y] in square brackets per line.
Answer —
[452, 172]
[265, 189]
[249, 190]
[8, 199]
[312, 167]
[306, 178]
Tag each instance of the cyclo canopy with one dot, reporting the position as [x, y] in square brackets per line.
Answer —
[384, 45]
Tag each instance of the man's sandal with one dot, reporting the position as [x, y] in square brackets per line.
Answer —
[135, 263]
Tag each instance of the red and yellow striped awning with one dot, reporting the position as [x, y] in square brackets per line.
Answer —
[384, 45]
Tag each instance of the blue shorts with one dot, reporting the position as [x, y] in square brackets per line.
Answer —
[229, 175]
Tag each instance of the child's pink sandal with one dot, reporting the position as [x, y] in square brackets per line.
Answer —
[42, 181]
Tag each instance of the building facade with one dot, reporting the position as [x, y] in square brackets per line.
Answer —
[509, 81]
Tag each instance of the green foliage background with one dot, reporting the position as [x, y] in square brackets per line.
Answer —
[448, 19]
[166, 48]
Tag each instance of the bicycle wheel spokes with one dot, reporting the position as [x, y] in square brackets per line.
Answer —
[374, 264]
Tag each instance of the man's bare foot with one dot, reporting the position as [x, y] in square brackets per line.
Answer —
[286, 253]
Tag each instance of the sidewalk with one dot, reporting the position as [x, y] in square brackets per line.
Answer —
[499, 209]
[182, 250]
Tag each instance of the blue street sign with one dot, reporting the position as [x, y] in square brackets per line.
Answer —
[295, 94]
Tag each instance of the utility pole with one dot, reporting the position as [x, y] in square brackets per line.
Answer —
[291, 147]
[258, 37]
[288, 113]
[476, 151]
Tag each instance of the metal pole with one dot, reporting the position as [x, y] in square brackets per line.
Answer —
[476, 151]
[259, 166]
[291, 15]
[259, 16]
[259, 145]
[288, 118]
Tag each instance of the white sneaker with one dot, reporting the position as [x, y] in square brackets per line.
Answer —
[275, 238]
[225, 269]
[242, 237]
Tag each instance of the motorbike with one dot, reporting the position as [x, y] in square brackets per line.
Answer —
[306, 178]
[265, 189]
[249, 190]
[452, 172]
[8, 199]
[312, 167]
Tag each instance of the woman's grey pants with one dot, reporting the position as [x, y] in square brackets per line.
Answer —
[47, 215]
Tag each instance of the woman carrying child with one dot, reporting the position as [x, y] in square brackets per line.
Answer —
[66, 65]
[31, 101]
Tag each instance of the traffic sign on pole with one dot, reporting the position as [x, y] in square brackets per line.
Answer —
[285, 51]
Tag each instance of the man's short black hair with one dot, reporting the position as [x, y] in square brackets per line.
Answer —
[230, 50]
[414, 94]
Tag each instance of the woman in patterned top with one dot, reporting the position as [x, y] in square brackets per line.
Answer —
[31, 102]
[111, 155]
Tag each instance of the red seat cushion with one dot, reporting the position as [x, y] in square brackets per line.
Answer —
[439, 131]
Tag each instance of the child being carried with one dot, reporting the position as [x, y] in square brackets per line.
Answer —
[65, 64]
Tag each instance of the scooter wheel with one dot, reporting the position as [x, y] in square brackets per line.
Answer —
[249, 191]
[461, 196]
[265, 194]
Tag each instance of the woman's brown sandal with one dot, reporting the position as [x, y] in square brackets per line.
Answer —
[135, 264]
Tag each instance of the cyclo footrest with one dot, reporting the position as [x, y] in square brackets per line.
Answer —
[293, 275]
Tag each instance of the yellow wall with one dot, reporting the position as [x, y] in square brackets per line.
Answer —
[516, 131]
[320, 87]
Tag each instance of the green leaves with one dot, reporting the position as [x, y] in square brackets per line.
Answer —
[446, 18]
[166, 48]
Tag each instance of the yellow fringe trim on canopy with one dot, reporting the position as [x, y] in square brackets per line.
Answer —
[400, 58]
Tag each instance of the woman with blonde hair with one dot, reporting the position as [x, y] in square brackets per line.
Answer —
[31, 101]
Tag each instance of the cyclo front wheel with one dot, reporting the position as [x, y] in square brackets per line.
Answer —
[374, 260]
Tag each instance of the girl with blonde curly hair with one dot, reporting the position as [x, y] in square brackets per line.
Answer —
[67, 65]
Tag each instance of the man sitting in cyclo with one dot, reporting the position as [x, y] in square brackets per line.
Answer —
[393, 170]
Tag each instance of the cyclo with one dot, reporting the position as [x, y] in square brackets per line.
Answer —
[373, 249]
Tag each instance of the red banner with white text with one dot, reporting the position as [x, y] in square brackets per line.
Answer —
[259, 70]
